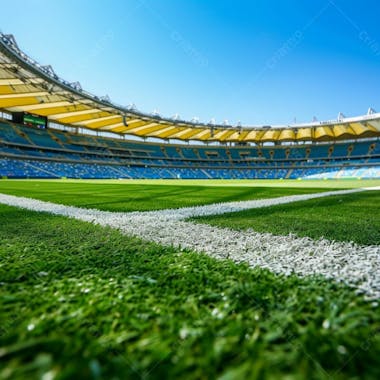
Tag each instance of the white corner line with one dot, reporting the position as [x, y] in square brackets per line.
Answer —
[357, 266]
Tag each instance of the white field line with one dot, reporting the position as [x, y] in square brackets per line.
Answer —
[355, 265]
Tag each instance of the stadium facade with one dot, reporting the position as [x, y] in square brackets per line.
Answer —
[50, 128]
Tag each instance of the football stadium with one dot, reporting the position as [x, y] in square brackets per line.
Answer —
[140, 246]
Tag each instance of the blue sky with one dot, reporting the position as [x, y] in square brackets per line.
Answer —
[258, 61]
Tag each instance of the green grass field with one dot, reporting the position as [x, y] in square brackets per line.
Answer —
[131, 196]
[353, 217]
[341, 184]
[81, 301]
[141, 195]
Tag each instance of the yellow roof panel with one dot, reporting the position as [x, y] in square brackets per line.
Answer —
[93, 123]
[304, 134]
[22, 95]
[270, 135]
[202, 135]
[186, 134]
[287, 135]
[341, 131]
[323, 133]
[32, 107]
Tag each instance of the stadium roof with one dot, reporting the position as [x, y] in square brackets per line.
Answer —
[27, 86]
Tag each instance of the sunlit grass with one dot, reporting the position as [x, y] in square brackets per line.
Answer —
[78, 301]
[140, 197]
[326, 184]
[351, 217]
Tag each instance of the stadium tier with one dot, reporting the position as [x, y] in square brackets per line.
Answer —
[29, 152]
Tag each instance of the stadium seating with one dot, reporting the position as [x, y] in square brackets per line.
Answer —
[49, 153]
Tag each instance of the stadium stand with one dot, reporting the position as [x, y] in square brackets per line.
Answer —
[29, 152]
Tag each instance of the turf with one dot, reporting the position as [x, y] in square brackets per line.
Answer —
[128, 196]
[314, 183]
[80, 301]
[128, 309]
[353, 217]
